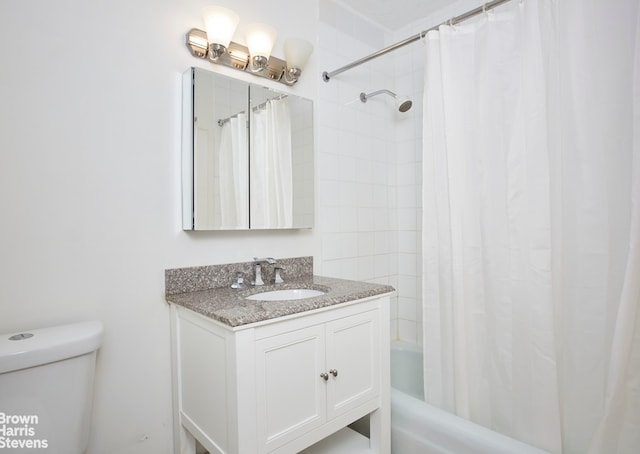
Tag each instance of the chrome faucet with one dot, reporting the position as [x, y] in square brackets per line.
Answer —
[257, 263]
[277, 279]
[267, 260]
[239, 283]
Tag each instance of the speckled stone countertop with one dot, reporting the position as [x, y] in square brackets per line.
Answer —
[230, 307]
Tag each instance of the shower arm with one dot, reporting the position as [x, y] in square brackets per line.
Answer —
[365, 96]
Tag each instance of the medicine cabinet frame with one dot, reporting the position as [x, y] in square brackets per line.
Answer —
[223, 189]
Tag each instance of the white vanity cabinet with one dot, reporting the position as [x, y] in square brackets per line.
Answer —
[281, 385]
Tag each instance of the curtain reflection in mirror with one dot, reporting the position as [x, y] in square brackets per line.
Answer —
[233, 182]
[271, 188]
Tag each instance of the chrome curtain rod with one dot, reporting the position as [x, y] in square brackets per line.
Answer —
[326, 76]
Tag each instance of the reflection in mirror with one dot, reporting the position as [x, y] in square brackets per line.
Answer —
[220, 147]
[271, 192]
[247, 157]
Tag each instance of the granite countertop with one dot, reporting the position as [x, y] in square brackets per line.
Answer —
[230, 307]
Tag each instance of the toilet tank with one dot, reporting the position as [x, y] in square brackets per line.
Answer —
[46, 388]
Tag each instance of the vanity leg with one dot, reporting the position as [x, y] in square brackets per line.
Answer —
[183, 441]
[187, 442]
[380, 420]
[380, 434]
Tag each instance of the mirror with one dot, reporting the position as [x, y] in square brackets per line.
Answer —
[247, 159]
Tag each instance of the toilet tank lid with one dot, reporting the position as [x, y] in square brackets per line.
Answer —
[46, 345]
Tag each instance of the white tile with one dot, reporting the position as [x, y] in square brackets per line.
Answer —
[407, 331]
[348, 219]
[393, 308]
[329, 219]
[365, 195]
[331, 246]
[405, 154]
[366, 219]
[419, 333]
[365, 268]
[407, 219]
[380, 172]
[380, 196]
[347, 168]
[406, 196]
[393, 219]
[393, 329]
[407, 264]
[393, 281]
[381, 243]
[406, 172]
[349, 245]
[407, 241]
[382, 219]
[407, 286]
[332, 268]
[348, 194]
[407, 309]
[381, 266]
[329, 193]
[327, 166]
[349, 268]
[393, 266]
[365, 244]
[364, 172]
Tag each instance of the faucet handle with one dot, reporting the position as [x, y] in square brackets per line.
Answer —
[257, 274]
[277, 279]
[239, 283]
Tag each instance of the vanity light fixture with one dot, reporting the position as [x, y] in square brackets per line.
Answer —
[297, 52]
[260, 39]
[216, 45]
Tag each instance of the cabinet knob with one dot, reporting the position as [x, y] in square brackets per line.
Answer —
[324, 376]
[334, 372]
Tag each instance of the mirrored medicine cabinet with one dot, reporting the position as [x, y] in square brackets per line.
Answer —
[247, 158]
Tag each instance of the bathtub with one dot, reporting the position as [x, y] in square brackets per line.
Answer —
[419, 428]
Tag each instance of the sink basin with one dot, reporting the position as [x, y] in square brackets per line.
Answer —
[286, 295]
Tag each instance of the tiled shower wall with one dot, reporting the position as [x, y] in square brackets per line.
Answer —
[369, 169]
[408, 63]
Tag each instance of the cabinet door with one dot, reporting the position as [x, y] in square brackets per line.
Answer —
[353, 361]
[290, 393]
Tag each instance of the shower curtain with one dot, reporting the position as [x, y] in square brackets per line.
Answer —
[233, 169]
[271, 166]
[531, 223]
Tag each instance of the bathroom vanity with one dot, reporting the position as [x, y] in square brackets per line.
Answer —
[253, 376]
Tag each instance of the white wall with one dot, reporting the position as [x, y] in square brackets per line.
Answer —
[357, 212]
[370, 159]
[89, 186]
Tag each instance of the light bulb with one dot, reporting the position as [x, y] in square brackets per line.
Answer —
[260, 39]
[220, 24]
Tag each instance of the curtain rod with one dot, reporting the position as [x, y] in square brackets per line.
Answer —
[326, 76]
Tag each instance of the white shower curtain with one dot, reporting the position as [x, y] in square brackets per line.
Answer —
[531, 225]
[271, 166]
[233, 166]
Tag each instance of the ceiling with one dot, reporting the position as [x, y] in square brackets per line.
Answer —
[395, 14]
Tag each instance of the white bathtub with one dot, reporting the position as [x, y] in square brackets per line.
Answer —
[419, 428]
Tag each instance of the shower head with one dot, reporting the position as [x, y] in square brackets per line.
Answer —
[403, 103]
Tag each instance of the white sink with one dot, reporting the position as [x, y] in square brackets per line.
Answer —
[286, 295]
